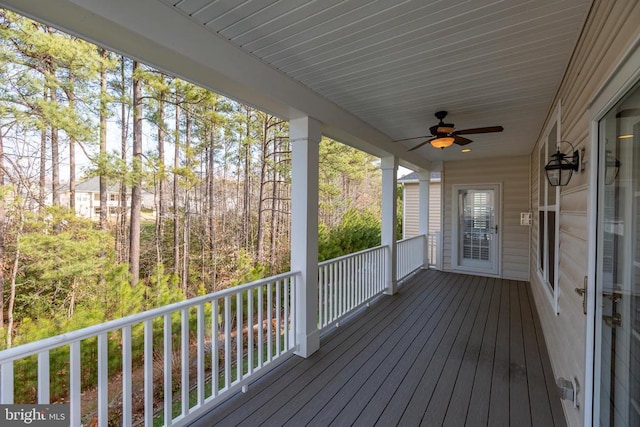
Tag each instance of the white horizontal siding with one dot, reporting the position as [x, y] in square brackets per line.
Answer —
[513, 174]
[435, 207]
[411, 219]
[610, 31]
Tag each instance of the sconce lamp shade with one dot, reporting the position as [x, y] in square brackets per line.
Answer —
[443, 142]
[560, 168]
[612, 166]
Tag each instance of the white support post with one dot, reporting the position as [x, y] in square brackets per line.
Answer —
[389, 167]
[305, 138]
[424, 179]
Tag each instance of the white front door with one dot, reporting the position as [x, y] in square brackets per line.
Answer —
[476, 240]
[618, 267]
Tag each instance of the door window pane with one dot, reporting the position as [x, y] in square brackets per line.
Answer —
[551, 244]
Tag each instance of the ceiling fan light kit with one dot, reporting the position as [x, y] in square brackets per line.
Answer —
[442, 142]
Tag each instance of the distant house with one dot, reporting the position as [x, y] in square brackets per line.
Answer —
[88, 199]
[410, 207]
[411, 212]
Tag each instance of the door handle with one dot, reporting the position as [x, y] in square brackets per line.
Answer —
[583, 293]
[613, 296]
[496, 228]
[613, 321]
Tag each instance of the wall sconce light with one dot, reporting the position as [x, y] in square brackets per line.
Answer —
[612, 167]
[561, 167]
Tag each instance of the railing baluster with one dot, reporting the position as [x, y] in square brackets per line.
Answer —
[184, 353]
[287, 283]
[239, 336]
[127, 377]
[215, 348]
[332, 293]
[168, 367]
[294, 325]
[260, 327]
[367, 275]
[43, 378]
[338, 284]
[200, 349]
[103, 380]
[320, 297]
[6, 387]
[75, 384]
[352, 283]
[227, 342]
[269, 322]
[250, 331]
[148, 373]
[327, 295]
[278, 318]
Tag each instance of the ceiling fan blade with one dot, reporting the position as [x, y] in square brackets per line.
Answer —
[461, 140]
[488, 129]
[409, 139]
[421, 144]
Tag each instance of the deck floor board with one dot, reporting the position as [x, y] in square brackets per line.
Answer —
[448, 349]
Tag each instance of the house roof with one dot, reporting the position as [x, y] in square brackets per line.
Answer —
[413, 177]
[92, 185]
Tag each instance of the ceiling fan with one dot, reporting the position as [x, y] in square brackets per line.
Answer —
[444, 134]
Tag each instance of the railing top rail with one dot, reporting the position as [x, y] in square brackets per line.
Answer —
[419, 236]
[112, 325]
[355, 254]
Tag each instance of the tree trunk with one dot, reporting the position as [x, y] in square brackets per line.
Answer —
[211, 214]
[159, 229]
[246, 198]
[72, 148]
[104, 209]
[264, 155]
[12, 291]
[136, 190]
[186, 255]
[55, 158]
[122, 199]
[176, 210]
[274, 206]
[42, 182]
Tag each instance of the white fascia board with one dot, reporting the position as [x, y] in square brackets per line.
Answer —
[151, 31]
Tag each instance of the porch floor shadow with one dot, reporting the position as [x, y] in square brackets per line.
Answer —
[448, 349]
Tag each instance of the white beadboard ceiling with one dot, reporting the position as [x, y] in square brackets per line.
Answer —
[395, 63]
[390, 64]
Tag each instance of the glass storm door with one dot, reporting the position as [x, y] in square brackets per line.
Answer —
[477, 229]
[617, 376]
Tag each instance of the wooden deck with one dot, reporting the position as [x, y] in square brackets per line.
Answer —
[448, 349]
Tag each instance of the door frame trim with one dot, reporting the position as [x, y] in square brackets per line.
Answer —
[623, 77]
[455, 265]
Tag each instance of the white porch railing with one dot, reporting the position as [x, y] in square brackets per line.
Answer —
[348, 282]
[433, 243]
[201, 350]
[234, 334]
[410, 256]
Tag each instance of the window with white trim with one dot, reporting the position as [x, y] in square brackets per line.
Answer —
[548, 207]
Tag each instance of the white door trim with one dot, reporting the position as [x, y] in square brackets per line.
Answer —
[455, 263]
